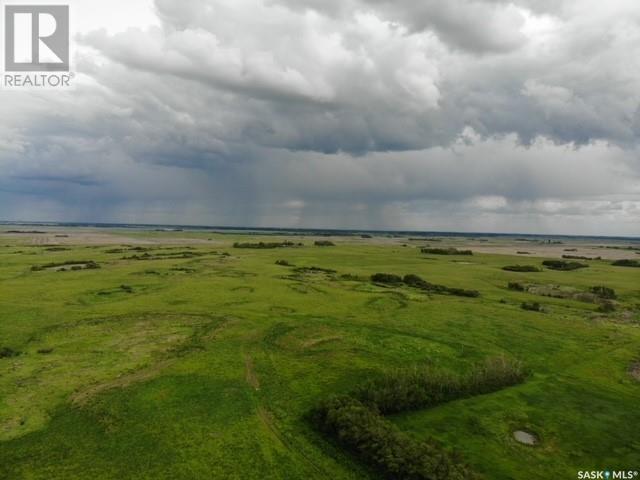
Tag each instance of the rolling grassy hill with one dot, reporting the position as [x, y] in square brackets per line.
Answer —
[189, 362]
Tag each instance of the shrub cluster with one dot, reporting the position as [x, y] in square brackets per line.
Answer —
[267, 245]
[76, 265]
[578, 257]
[446, 251]
[414, 281]
[418, 388]
[350, 277]
[417, 282]
[315, 270]
[356, 420]
[6, 352]
[521, 268]
[324, 243]
[604, 292]
[386, 278]
[128, 249]
[166, 256]
[563, 266]
[383, 446]
[607, 306]
[531, 306]
[626, 263]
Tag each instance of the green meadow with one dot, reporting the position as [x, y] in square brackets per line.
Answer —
[202, 361]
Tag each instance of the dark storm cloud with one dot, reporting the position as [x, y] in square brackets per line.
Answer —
[354, 113]
[359, 83]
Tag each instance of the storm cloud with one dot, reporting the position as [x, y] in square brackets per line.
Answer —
[461, 115]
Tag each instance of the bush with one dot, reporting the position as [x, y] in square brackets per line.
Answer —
[165, 256]
[283, 263]
[417, 282]
[516, 287]
[356, 420]
[315, 270]
[350, 277]
[268, 245]
[75, 265]
[532, 307]
[563, 265]
[604, 292]
[383, 446]
[446, 251]
[418, 388]
[386, 278]
[626, 263]
[6, 352]
[607, 306]
[521, 268]
[456, 292]
[324, 243]
[578, 257]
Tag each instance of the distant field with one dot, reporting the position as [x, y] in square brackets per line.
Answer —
[152, 355]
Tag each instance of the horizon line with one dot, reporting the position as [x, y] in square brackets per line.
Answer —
[303, 229]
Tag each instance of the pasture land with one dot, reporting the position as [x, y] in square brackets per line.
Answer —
[182, 357]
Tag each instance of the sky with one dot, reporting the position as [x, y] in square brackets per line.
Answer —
[465, 115]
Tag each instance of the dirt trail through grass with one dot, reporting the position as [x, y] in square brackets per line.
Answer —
[250, 374]
[83, 396]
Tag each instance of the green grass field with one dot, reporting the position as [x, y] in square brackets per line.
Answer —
[192, 364]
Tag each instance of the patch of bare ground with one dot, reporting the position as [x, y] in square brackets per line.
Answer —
[316, 342]
[634, 371]
[526, 438]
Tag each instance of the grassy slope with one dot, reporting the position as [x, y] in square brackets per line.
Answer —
[219, 364]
